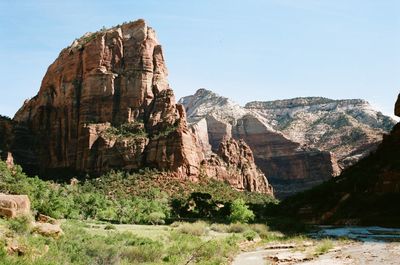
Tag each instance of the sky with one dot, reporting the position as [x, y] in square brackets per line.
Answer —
[245, 50]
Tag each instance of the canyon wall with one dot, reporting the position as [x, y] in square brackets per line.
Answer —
[105, 103]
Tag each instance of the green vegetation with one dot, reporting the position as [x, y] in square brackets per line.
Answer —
[81, 245]
[134, 198]
[240, 212]
[93, 207]
[21, 225]
[323, 247]
[127, 130]
[167, 131]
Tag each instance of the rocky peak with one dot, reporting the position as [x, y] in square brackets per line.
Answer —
[214, 119]
[303, 102]
[349, 128]
[105, 103]
[397, 107]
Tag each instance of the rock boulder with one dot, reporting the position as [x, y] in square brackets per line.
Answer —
[14, 205]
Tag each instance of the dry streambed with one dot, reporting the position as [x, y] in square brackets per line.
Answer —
[347, 245]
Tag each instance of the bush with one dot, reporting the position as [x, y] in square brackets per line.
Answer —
[221, 228]
[198, 228]
[250, 235]
[261, 229]
[323, 247]
[21, 224]
[240, 212]
[237, 228]
[156, 218]
[110, 227]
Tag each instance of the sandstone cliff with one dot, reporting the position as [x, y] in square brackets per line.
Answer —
[349, 128]
[235, 158]
[289, 166]
[104, 104]
[366, 193]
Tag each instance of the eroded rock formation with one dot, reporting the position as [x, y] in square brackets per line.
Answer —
[105, 103]
[349, 128]
[235, 158]
[366, 193]
[290, 167]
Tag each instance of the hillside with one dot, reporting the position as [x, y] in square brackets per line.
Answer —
[298, 143]
[366, 193]
[349, 128]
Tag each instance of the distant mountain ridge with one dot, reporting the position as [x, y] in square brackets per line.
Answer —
[349, 128]
[296, 142]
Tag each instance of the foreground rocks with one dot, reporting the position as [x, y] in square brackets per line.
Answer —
[12, 206]
[105, 104]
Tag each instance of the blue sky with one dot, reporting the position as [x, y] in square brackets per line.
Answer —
[245, 50]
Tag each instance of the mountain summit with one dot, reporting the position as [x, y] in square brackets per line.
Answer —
[105, 103]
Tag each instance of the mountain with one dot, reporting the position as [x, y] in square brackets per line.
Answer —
[289, 166]
[366, 193]
[296, 142]
[105, 103]
[349, 128]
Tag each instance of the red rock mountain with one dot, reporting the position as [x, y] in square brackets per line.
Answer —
[105, 103]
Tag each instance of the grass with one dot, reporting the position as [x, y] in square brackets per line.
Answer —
[198, 228]
[323, 247]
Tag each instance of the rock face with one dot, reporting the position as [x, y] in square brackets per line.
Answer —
[366, 193]
[350, 129]
[235, 158]
[290, 166]
[14, 205]
[104, 104]
[397, 107]
[6, 132]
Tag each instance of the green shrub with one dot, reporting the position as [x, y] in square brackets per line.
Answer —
[21, 224]
[156, 218]
[323, 247]
[110, 227]
[240, 212]
[198, 228]
[261, 229]
[221, 228]
[250, 235]
[237, 228]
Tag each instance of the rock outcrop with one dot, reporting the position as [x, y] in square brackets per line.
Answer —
[397, 107]
[366, 193]
[234, 159]
[290, 167]
[12, 206]
[349, 128]
[6, 135]
[104, 104]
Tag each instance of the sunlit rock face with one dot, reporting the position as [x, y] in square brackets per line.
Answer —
[296, 142]
[105, 104]
[349, 128]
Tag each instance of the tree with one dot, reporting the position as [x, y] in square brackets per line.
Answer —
[240, 212]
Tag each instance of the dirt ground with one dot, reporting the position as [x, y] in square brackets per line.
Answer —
[348, 245]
